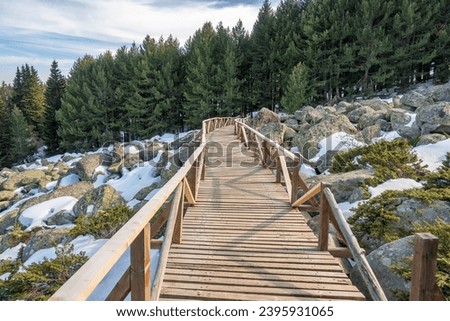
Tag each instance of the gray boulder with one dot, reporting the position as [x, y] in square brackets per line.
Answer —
[101, 198]
[370, 119]
[142, 194]
[8, 219]
[60, 218]
[414, 99]
[309, 115]
[264, 116]
[289, 133]
[356, 114]
[85, 168]
[434, 118]
[381, 260]
[370, 132]
[292, 123]
[29, 178]
[274, 131]
[410, 133]
[44, 239]
[376, 104]
[4, 205]
[343, 185]
[430, 139]
[398, 118]
[438, 92]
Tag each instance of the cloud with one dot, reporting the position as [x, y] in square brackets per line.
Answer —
[53, 29]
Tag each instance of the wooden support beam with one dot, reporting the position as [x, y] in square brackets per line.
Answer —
[205, 159]
[155, 244]
[245, 136]
[140, 266]
[295, 181]
[369, 278]
[324, 222]
[260, 151]
[278, 169]
[122, 288]
[188, 192]
[164, 253]
[287, 177]
[424, 267]
[341, 252]
[308, 195]
[178, 229]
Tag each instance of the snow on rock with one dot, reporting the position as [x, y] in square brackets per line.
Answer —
[37, 214]
[131, 149]
[131, 204]
[51, 186]
[19, 203]
[387, 136]
[133, 181]
[346, 208]
[69, 180]
[86, 243]
[340, 141]
[413, 119]
[399, 184]
[307, 170]
[433, 154]
[11, 253]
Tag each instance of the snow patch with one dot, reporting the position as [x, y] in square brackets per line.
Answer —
[51, 186]
[307, 170]
[387, 136]
[69, 180]
[37, 214]
[433, 154]
[11, 253]
[412, 121]
[340, 141]
[399, 184]
[346, 208]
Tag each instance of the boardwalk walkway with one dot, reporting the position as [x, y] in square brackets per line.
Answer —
[243, 241]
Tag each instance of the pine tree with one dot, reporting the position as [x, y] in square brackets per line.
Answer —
[298, 91]
[54, 91]
[20, 136]
[32, 104]
[441, 42]
[5, 125]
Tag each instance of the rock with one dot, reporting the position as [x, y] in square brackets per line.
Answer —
[440, 92]
[309, 136]
[410, 133]
[398, 118]
[76, 190]
[367, 134]
[188, 138]
[274, 131]
[60, 218]
[308, 115]
[347, 107]
[130, 160]
[376, 104]
[44, 239]
[430, 139]
[292, 123]
[343, 185]
[8, 219]
[142, 194]
[370, 119]
[415, 99]
[28, 178]
[4, 205]
[264, 116]
[153, 149]
[434, 118]
[326, 161]
[380, 261]
[356, 114]
[85, 168]
[6, 195]
[101, 198]
[5, 243]
[289, 133]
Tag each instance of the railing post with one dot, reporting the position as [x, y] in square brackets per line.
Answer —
[278, 173]
[295, 180]
[324, 220]
[178, 230]
[205, 159]
[140, 266]
[424, 267]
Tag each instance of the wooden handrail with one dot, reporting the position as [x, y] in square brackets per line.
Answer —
[81, 285]
[358, 254]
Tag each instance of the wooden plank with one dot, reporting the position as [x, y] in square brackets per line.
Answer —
[308, 195]
[341, 252]
[324, 222]
[188, 192]
[278, 170]
[295, 181]
[423, 277]
[122, 288]
[286, 175]
[164, 253]
[140, 266]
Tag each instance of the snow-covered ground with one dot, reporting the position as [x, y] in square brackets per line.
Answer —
[433, 154]
[399, 184]
[339, 141]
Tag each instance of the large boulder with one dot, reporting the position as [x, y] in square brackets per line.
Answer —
[309, 136]
[292, 123]
[356, 114]
[411, 133]
[85, 168]
[343, 185]
[273, 131]
[44, 239]
[438, 92]
[29, 178]
[414, 99]
[264, 116]
[369, 133]
[6, 195]
[101, 198]
[7, 220]
[376, 104]
[309, 115]
[434, 118]
[289, 133]
[398, 118]
[370, 119]
[381, 261]
[143, 193]
[430, 139]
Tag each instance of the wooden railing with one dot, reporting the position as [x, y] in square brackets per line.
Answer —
[423, 286]
[165, 207]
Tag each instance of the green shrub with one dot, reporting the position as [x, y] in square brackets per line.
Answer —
[390, 160]
[39, 280]
[17, 235]
[440, 178]
[104, 224]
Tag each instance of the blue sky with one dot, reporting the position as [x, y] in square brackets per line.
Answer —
[40, 31]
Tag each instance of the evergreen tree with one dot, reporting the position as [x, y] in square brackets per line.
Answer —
[441, 42]
[5, 125]
[20, 136]
[262, 75]
[298, 91]
[54, 91]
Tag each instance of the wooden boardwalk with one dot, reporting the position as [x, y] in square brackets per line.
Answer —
[243, 241]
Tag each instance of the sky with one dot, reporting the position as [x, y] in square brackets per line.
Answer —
[40, 31]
